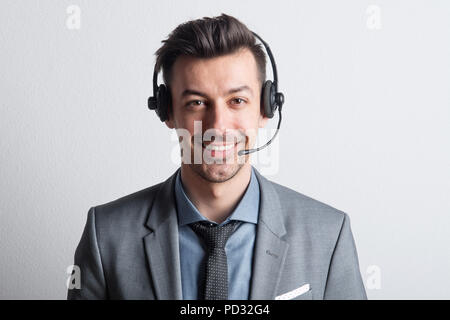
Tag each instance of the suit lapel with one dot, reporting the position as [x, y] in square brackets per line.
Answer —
[161, 245]
[270, 250]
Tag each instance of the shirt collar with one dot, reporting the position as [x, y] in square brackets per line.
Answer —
[247, 209]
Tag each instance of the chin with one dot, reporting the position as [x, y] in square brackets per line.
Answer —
[216, 172]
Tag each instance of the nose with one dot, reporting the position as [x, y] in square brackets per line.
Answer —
[218, 117]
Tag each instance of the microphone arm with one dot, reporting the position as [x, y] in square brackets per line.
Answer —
[248, 151]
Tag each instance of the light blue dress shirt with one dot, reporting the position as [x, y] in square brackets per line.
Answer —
[239, 247]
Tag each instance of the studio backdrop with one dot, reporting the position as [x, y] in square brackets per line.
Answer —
[365, 126]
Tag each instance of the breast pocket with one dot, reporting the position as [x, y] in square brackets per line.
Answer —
[303, 292]
[305, 296]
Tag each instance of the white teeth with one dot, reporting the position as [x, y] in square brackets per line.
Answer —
[220, 148]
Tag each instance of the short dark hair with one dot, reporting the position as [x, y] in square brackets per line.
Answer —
[208, 38]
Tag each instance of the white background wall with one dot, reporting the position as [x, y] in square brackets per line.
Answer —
[365, 127]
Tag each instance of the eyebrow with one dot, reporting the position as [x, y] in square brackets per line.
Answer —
[188, 92]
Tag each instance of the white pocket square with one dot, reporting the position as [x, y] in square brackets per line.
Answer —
[294, 293]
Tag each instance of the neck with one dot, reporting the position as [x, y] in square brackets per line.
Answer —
[215, 200]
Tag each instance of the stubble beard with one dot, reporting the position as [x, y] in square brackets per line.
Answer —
[216, 173]
[220, 172]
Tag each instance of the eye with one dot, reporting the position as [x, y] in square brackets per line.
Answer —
[194, 103]
[238, 101]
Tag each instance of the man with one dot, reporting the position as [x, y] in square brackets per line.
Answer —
[216, 229]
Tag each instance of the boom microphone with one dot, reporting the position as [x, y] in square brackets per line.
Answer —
[248, 151]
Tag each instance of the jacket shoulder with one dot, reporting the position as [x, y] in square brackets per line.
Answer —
[298, 207]
[126, 212]
[133, 199]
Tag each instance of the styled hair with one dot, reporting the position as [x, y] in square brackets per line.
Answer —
[208, 38]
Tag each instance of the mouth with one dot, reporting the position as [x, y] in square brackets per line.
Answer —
[220, 150]
[218, 147]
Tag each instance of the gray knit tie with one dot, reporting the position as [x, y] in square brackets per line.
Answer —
[216, 275]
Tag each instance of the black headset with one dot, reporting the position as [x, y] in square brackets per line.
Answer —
[271, 99]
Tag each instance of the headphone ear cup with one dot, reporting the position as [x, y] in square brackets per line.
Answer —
[268, 99]
[163, 102]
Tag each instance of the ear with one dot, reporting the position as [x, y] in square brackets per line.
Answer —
[170, 123]
[262, 121]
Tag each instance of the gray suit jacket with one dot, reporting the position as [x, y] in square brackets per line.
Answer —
[129, 248]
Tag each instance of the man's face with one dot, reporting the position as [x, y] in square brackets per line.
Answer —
[224, 94]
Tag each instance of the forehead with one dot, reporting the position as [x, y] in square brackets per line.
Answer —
[214, 74]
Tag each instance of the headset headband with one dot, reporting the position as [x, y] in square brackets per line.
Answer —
[269, 52]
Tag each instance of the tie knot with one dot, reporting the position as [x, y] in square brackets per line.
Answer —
[215, 236]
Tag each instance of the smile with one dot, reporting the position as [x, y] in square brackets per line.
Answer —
[219, 147]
